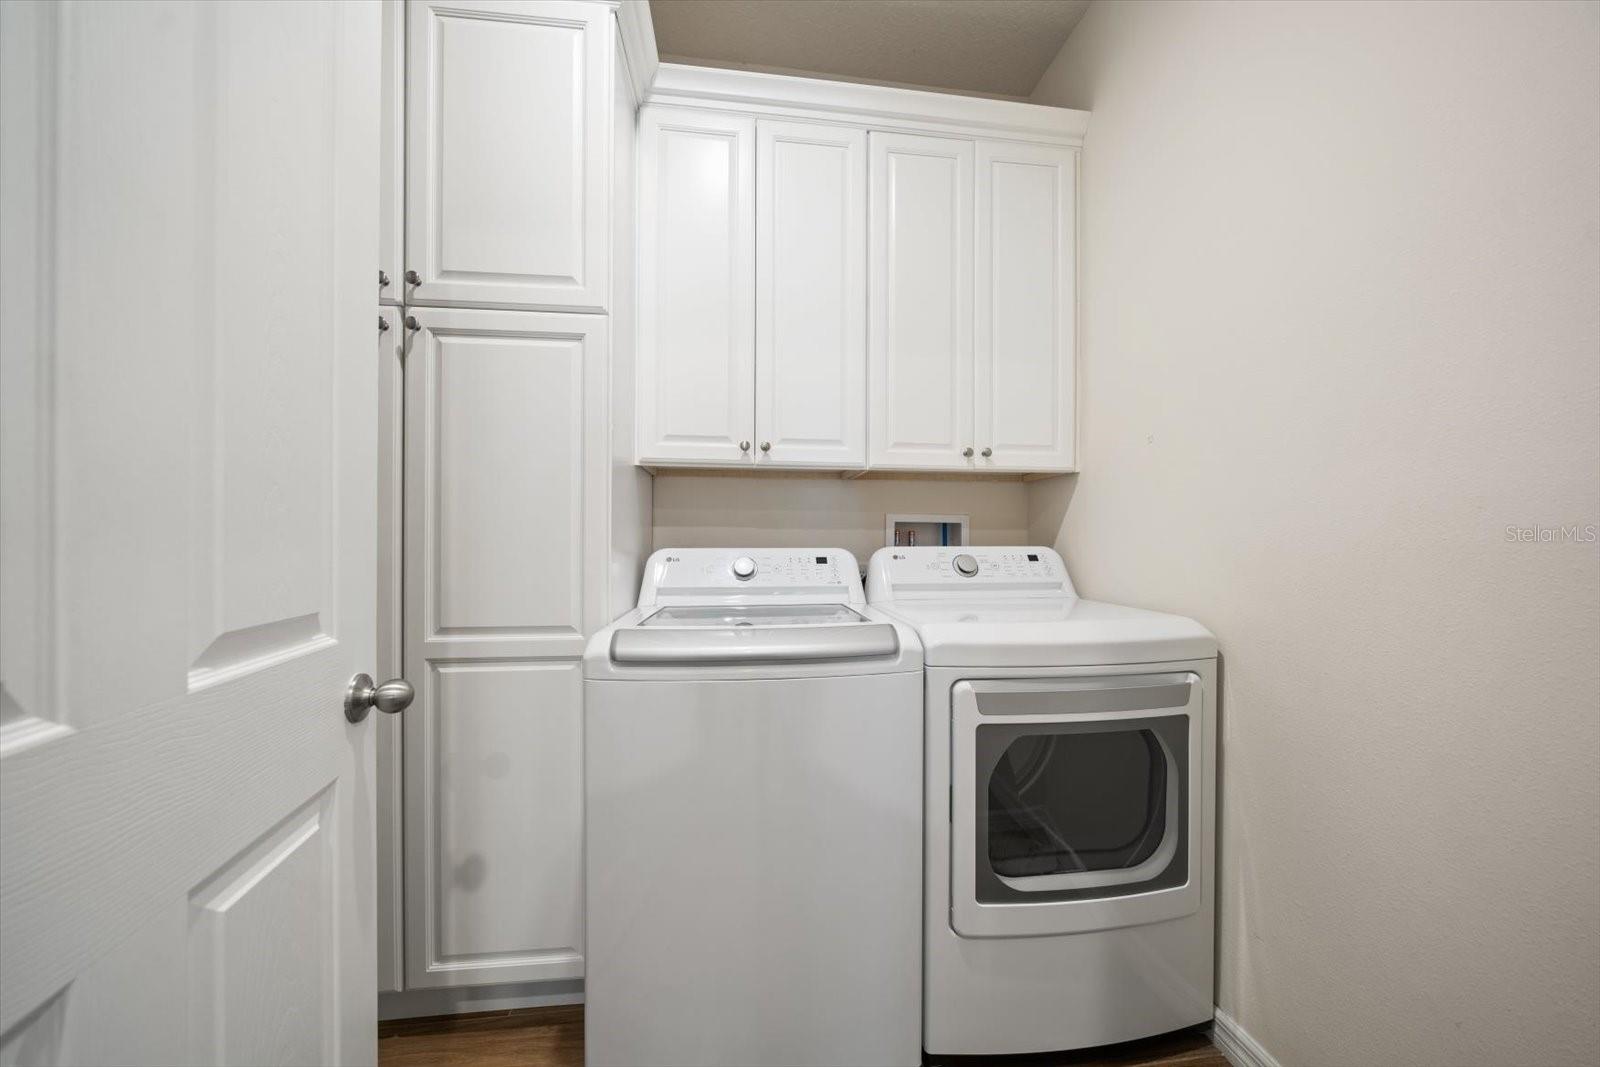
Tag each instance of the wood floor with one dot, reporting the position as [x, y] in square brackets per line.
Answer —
[553, 1037]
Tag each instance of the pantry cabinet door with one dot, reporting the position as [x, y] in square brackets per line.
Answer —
[507, 130]
[696, 402]
[920, 301]
[811, 295]
[1026, 323]
[505, 469]
[391, 155]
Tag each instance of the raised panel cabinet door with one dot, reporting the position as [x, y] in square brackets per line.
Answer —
[696, 352]
[507, 138]
[1025, 331]
[919, 264]
[811, 295]
[187, 559]
[505, 478]
[391, 156]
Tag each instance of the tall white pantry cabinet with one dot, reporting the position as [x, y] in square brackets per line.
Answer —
[515, 521]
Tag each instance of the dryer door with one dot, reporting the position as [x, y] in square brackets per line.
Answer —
[1076, 803]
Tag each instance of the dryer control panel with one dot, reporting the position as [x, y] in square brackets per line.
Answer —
[820, 574]
[970, 570]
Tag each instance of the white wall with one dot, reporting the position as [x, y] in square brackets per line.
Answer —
[1340, 328]
[826, 511]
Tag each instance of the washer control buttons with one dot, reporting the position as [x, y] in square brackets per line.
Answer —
[965, 565]
[744, 568]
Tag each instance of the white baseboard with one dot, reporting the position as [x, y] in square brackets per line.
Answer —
[418, 1003]
[1235, 1042]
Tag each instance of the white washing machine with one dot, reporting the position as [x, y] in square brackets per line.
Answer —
[1070, 804]
[753, 771]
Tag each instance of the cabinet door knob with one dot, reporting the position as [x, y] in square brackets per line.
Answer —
[744, 446]
[413, 278]
[967, 451]
[987, 452]
[766, 446]
[412, 323]
[383, 279]
[383, 324]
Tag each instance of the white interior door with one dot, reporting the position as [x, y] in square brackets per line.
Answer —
[696, 286]
[507, 136]
[811, 295]
[920, 296]
[506, 467]
[1025, 323]
[186, 827]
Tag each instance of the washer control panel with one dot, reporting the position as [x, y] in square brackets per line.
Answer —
[823, 573]
[967, 570]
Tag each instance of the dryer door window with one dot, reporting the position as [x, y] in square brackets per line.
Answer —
[1074, 810]
[1075, 802]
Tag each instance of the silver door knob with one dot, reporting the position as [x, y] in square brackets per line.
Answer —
[744, 446]
[413, 324]
[413, 278]
[967, 451]
[987, 453]
[391, 697]
[766, 446]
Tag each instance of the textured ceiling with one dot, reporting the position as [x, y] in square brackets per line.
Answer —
[998, 47]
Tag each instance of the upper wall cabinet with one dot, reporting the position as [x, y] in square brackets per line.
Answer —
[921, 299]
[507, 108]
[1024, 319]
[811, 295]
[843, 276]
[752, 291]
[752, 345]
[696, 286]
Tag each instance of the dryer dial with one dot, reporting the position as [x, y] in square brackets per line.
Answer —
[966, 565]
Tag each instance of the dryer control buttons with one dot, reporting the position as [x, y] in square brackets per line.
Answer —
[965, 565]
[744, 568]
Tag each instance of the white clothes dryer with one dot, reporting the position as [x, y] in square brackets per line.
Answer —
[753, 775]
[1070, 804]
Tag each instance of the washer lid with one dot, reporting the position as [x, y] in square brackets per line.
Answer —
[738, 615]
[1054, 632]
[745, 643]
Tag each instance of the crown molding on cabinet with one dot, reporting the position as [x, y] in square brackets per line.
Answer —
[881, 106]
[638, 45]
